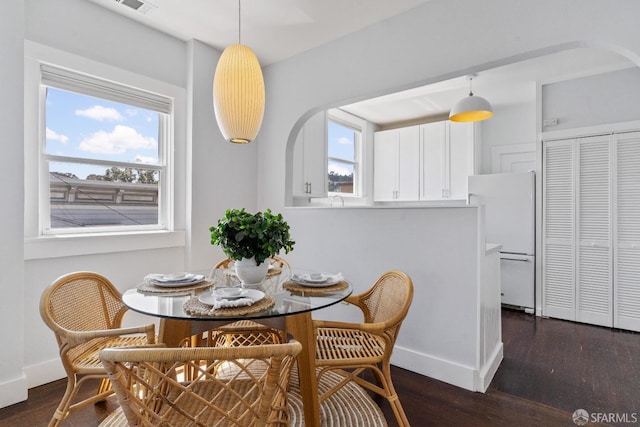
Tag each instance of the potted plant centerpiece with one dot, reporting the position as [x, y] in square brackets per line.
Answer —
[250, 239]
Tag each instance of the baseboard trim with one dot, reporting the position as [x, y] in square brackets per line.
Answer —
[13, 391]
[433, 367]
[485, 375]
[44, 372]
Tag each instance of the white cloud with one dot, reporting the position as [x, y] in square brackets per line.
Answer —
[146, 159]
[344, 140]
[121, 139]
[51, 135]
[100, 113]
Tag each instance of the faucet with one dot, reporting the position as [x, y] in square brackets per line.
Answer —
[333, 198]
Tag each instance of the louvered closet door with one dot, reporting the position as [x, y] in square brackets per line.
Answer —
[627, 233]
[558, 269]
[593, 219]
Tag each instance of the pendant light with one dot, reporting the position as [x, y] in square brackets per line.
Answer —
[238, 93]
[471, 108]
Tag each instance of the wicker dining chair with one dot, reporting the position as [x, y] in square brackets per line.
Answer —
[243, 332]
[276, 261]
[349, 349]
[85, 312]
[231, 386]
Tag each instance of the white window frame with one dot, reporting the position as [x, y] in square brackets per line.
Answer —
[63, 79]
[39, 242]
[350, 121]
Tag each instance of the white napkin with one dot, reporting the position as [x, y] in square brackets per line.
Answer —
[335, 277]
[225, 303]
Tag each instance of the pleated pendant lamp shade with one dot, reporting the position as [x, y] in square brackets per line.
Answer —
[238, 94]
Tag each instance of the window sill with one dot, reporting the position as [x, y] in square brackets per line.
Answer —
[66, 246]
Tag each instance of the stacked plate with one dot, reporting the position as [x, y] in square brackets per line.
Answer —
[317, 280]
[174, 280]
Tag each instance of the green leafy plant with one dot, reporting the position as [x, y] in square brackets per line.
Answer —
[244, 235]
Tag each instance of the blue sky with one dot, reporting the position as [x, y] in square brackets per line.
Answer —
[87, 127]
[340, 146]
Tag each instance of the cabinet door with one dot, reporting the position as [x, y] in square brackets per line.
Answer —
[315, 155]
[310, 159]
[433, 161]
[460, 149]
[385, 160]
[558, 265]
[299, 183]
[408, 164]
[626, 313]
[593, 219]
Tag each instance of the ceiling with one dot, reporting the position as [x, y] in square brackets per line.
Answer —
[274, 29]
[279, 29]
[503, 86]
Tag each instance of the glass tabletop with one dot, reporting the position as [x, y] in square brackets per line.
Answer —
[171, 305]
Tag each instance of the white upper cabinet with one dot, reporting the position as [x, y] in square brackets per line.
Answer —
[397, 164]
[448, 158]
[310, 158]
[425, 162]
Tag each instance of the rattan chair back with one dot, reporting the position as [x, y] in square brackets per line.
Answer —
[387, 301]
[348, 349]
[230, 386]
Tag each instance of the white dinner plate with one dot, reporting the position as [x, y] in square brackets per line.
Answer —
[210, 299]
[165, 281]
[223, 293]
[302, 279]
[307, 278]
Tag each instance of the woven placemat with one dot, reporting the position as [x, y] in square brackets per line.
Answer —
[292, 286]
[195, 308]
[150, 288]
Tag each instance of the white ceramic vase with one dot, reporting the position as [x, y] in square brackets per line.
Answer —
[250, 273]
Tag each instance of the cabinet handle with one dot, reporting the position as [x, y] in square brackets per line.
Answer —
[309, 188]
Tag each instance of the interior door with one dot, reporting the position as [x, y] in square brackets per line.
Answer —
[558, 228]
[594, 277]
[627, 232]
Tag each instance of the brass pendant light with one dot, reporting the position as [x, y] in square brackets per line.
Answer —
[471, 108]
[238, 93]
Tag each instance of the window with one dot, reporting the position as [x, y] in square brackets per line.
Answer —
[103, 156]
[344, 136]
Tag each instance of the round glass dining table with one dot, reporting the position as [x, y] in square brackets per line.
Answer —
[291, 312]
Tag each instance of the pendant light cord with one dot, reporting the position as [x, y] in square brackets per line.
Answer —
[470, 79]
[239, 23]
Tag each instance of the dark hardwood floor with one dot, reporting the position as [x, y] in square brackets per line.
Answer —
[550, 369]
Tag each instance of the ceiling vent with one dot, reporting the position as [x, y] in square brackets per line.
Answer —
[143, 7]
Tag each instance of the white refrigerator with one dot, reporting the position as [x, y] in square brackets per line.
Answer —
[509, 201]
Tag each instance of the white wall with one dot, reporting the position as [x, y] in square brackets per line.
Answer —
[595, 100]
[12, 326]
[410, 50]
[514, 124]
[224, 175]
[83, 29]
[438, 248]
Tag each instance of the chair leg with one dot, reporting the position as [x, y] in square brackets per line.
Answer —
[63, 407]
[392, 397]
